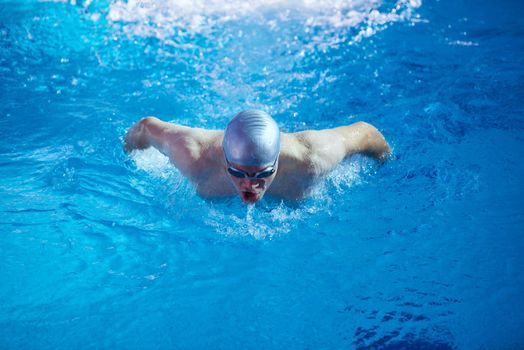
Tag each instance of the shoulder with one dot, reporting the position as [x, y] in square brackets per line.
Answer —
[190, 149]
[297, 155]
[316, 150]
[294, 150]
[297, 170]
[194, 140]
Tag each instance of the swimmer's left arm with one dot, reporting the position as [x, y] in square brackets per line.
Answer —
[364, 138]
[324, 149]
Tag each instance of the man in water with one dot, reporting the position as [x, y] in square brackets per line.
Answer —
[252, 157]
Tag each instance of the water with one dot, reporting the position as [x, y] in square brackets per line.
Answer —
[102, 250]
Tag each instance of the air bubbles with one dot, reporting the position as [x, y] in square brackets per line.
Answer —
[151, 277]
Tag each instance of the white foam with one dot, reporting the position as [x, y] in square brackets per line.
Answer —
[463, 43]
[164, 19]
[153, 162]
[171, 189]
[349, 172]
[250, 222]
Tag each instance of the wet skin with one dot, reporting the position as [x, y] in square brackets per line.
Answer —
[251, 190]
[198, 154]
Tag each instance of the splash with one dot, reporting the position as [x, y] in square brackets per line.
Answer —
[261, 222]
[212, 58]
[268, 220]
[323, 19]
[169, 185]
[153, 162]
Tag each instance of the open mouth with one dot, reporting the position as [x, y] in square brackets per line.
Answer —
[249, 197]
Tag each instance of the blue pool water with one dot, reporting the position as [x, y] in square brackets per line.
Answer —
[102, 250]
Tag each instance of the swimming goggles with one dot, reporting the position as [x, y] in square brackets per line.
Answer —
[241, 174]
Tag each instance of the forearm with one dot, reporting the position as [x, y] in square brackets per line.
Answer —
[142, 134]
[362, 137]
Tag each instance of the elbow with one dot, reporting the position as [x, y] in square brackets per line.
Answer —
[367, 129]
[380, 150]
[384, 153]
[380, 147]
[375, 144]
[146, 121]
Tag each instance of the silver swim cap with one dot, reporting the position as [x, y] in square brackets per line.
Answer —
[252, 138]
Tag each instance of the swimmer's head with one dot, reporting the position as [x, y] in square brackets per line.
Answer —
[252, 138]
[251, 149]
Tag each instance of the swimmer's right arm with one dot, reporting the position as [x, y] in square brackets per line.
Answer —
[148, 132]
[176, 142]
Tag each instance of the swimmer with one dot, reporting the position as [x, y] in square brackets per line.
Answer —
[252, 157]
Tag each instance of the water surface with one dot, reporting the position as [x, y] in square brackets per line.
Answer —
[103, 250]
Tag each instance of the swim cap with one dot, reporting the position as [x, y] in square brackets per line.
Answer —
[252, 138]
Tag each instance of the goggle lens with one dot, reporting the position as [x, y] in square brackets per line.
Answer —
[241, 174]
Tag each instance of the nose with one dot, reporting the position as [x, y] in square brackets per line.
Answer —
[247, 183]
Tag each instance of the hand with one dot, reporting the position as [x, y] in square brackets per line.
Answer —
[136, 137]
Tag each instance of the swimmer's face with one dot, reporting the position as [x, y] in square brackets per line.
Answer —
[251, 189]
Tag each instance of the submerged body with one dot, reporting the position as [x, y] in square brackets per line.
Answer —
[304, 157]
